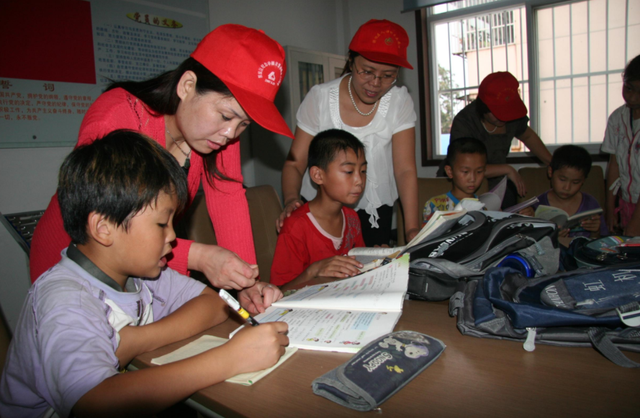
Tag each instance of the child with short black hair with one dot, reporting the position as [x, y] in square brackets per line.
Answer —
[111, 297]
[316, 237]
[569, 168]
[465, 165]
[623, 171]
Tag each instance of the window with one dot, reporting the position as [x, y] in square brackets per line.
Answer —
[568, 62]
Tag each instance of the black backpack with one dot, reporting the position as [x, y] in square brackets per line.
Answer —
[477, 241]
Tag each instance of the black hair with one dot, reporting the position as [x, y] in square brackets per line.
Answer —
[481, 108]
[464, 146]
[160, 95]
[347, 65]
[571, 156]
[632, 70]
[116, 176]
[327, 144]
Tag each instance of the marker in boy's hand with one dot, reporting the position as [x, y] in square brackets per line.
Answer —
[258, 348]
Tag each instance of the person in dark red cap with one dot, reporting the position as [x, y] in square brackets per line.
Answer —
[366, 102]
[196, 112]
[496, 117]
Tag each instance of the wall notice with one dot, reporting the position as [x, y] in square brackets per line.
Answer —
[54, 64]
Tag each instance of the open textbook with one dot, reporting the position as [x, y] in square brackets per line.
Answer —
[562, 218]
[373, 257]
[492, 199]
[346, 314]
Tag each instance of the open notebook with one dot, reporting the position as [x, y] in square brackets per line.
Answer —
[207, 342]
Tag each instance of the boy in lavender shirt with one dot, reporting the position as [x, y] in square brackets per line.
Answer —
[111, 298]
[569, 168]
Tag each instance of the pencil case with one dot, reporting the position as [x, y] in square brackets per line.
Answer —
[379, 370]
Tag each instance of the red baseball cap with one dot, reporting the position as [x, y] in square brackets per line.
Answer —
[499, 91]
[382, 41]
[252, 66]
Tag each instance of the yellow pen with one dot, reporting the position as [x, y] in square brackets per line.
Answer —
[235, 305]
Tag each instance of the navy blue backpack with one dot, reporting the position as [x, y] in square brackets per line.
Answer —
[585, 307]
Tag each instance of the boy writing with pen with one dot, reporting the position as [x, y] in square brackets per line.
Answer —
[316, 238]
[111, 297]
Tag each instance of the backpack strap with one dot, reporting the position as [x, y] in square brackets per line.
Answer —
[602, 342]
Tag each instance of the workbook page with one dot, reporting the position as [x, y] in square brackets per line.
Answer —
[331, 330]
[380, 289]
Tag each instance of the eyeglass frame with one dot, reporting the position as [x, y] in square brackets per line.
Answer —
[382, 78]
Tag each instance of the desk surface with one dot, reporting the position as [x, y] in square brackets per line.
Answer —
[473, 377]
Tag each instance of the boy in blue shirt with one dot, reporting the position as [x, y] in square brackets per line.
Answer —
[465, 165]
[111, 297]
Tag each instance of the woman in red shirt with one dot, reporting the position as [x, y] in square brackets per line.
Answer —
[197, 112]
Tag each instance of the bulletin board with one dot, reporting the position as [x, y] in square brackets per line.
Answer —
[58, 56]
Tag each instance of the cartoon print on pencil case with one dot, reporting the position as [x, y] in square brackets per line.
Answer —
[410, 350]
[395, 368]
[415, 351]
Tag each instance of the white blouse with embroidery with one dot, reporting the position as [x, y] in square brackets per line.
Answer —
[320, 111]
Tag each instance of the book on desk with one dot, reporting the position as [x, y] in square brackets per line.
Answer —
[373, 257]
[344, 315]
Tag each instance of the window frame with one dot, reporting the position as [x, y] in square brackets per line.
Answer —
[428, 80]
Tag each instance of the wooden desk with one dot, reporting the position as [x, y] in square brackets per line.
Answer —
[473, 377]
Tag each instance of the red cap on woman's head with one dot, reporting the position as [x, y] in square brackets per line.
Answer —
[499, 91]
[382, 41]
[252, 66]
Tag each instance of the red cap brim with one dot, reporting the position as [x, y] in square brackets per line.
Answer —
[260, 110]
[507, 113]
[385, 58]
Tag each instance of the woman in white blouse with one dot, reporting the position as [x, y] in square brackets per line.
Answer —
[366, 102]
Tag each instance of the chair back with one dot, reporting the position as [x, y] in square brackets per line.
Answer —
[195, 224]
[264, 209]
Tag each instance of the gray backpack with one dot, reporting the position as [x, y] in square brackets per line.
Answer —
[477, 241]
